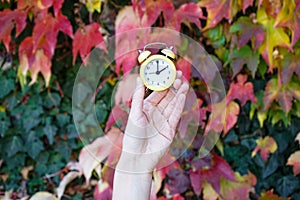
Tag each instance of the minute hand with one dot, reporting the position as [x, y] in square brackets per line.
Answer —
[163, 69]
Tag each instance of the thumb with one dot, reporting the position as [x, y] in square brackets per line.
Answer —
[138, 98]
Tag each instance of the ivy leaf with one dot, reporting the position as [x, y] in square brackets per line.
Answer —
[184, 66]
[117, 114]
[8, 20]
[177, 182]
[266, 146]
[294, 160]
[50, 132]
[289, 16]
[219, 9]
[7, 85]
[125, 90]
[291, 65]
[209, 192]
[93, 154]
[274, 37]
[93, 5]
[241, 90]
[14, 145]
[247, 30]
[34, 147]
[85, 39]
[286, 185]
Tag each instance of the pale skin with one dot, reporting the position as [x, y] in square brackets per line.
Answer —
[149, 133]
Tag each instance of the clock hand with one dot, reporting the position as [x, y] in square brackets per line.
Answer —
[163, 69]
[157, 68]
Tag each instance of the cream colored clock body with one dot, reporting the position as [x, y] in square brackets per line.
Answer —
[158, 72]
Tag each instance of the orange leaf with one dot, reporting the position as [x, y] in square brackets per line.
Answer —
[265, 145]
[294, 160]
[269, 195]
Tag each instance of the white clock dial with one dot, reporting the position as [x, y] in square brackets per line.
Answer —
[159, 74]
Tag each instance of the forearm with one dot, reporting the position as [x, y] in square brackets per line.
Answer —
[133, 186]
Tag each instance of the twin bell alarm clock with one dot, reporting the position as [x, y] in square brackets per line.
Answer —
[157, 70]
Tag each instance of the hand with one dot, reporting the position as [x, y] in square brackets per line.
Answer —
[151, 126]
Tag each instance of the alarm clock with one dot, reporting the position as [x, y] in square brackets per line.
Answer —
[157, 71]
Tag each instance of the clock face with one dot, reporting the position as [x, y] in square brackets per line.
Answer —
[158, 73]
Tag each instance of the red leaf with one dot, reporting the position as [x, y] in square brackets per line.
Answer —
[230, 116]
[266, 146]
[184, 66]
[125, 90]
[46, 30]
[196, 181]
[85, 39]
[116, 114]
[294, 160]
[103, 191]
[269, 195]
[291, 65]
[241, 90]
[8, 20]
[188, 11]
[219, 9]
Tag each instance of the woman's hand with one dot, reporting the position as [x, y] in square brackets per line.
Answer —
[151, 126]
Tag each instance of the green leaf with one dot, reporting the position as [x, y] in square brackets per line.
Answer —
[244, 56]
[63, 119]
[50, 131]
[4, 125]
[34, 148]
[286, 185]
[52, 100]
[14, 145]
[7, 85]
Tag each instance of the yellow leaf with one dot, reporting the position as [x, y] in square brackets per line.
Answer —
[208, 192]
[262, 116]
[2, 109]
[265, 145]
[43, 195]
[274, 36]
[93, 5]
[286, 12]
[25, 171]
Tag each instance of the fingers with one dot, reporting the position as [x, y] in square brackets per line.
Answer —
[138, 98]
[172, 105]
[176, 112]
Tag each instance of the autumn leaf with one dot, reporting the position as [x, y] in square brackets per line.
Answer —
[8, 20]
[289, 16]
[239, 189]
[247, 30]
[117, 114]
[184, 66]
[269, 195]
[291, 65]
[208, 192]
[102, 191]
[210, 169]
[282, 93]
[43, 195]
[241, 90]
[273, 37]
[223, 120]
[92, 5]
[125, 90]
[266, 146]
[219, 9]
[189, 12]
[65, 181]
[294, 160]
[93, 154]
[85, 39]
